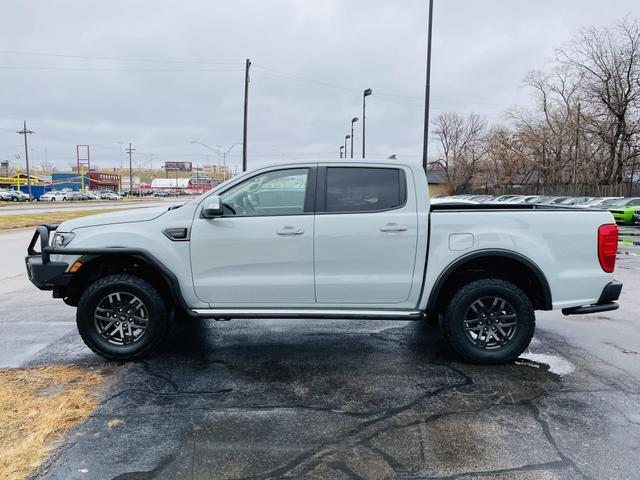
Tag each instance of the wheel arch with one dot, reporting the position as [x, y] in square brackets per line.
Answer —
[491, 263]
[139, 263]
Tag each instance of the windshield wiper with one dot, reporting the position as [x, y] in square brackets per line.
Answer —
[173, 207]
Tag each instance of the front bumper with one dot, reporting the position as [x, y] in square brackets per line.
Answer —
[606, 302]
[622, 216]
[43, 273]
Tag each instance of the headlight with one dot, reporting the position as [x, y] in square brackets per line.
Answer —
[62, 239]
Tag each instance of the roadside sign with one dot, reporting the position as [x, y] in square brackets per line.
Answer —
[177, 166]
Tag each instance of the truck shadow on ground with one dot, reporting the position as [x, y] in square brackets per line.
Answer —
[330, 399]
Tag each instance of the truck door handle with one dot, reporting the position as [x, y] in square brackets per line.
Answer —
[289, 230]
[393, 227]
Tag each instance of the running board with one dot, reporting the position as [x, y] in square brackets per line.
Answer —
[227, 313]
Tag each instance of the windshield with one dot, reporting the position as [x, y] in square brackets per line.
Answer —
[611, 202]
[620, 202]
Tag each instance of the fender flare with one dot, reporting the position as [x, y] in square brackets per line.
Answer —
[145, 255]
[457, 263]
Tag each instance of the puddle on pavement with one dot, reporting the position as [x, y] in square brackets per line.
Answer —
[553, 363]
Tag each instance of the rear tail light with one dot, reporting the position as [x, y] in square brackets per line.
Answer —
[608, 246]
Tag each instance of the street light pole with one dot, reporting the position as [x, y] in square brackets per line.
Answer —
[26, 132]
[353, 120]
[346, 137]
[425, 140]
[365, 94]
[341, 148]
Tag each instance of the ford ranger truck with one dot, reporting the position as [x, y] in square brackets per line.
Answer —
[334, 239]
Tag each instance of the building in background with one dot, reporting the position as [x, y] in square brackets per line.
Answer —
[90, 181]
[125, 186]
[217, 172]
[165, 184]
[437, 180]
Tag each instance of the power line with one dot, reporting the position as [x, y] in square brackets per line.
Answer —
[115, 59]
[98, 69]
[280, 74]
[264, 70]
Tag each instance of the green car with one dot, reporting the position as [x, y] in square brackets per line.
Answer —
[624, 209]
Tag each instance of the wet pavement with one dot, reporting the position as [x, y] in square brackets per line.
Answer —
[331, 399]
[251, 399]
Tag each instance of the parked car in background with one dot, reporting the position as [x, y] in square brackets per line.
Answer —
[160, 194]
[624, 209]
[23, 197]
[109, 196]
[53, 196]
[598, 202]
[573, 201]
[5, 195]
[551, 200]
[74, 196]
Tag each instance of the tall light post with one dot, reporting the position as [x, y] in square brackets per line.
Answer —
[353, 120]
[341, 149]
[425, 140]
[365, 94]
[346, 137]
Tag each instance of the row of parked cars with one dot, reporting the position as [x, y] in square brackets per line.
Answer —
[625, 210]
[69, 195]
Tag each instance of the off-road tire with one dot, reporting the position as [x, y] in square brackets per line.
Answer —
[462, 301]
[159, 320]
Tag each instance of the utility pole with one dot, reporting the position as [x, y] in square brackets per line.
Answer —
[25, 131]
[575, 161]
[246, 111]
[365, 94]
[425, 140]
[341, 148]
[346, 137]
[130, 151]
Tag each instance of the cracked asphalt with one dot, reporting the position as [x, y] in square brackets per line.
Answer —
[348, 399]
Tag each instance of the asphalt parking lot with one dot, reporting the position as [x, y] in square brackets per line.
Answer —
[344, 399]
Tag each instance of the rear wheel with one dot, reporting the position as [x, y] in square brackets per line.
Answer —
[489, 321]
[122, 317]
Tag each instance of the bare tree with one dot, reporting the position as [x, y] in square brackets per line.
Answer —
[608, 62]
[462, 142]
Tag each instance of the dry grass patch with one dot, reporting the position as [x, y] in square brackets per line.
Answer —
[37, 405]
[33, 219]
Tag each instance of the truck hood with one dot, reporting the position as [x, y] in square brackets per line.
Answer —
[122, 216]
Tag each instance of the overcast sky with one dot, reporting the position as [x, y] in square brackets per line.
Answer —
[160, 74]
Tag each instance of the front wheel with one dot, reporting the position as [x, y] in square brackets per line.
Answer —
[489, 321]
[122, 317]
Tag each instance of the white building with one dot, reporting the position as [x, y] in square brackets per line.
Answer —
[170, 184]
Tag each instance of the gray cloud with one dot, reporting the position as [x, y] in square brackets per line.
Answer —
[311, 61]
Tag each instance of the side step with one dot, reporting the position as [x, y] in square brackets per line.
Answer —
[227, 313]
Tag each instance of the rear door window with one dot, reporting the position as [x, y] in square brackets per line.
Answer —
[363, 189]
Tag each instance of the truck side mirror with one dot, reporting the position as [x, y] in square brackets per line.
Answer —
[213, 207]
